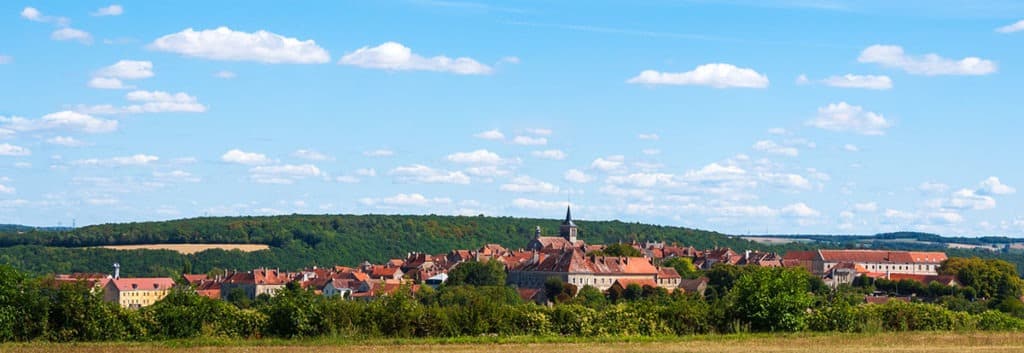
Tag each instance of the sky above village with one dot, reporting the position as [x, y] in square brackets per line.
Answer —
[746, 117]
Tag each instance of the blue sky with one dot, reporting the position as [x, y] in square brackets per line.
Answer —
[737, 116]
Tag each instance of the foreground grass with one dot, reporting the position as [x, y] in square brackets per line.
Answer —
[960, 342]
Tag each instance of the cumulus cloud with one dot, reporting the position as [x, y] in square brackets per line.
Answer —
[224, 43]
[650, 137]
[651, 151]
[284, 173]
[992, 186]
[530, 141]
[966, 199]
[1011, 28]
[770, 147]
[716, 172]
[859, 81]
[238, 156]
[844, 117]
[4, 189]
[556, 155]
[933, 187]
[526, 184]
[540, 205]
[539, 131]
[150, 102]
[68, 33]
[414, 199]
[851, 148]
[490, 135]
[645, 180]
[717, 75]
[225, 74]
[866, 207]
[33, 14]
[178, 176]
[397, 57]
[929, 64]
[418, 173]
[577, 176]
[112, 10]
[7, 149]
[311, 155]
[63, 120]
[476, 157]
[608, 164]
[379, 153]
[65, 141]
[800, 210]
[128, 70]
[133, 160]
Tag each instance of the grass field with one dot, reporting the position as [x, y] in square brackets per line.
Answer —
[190, 248]
[791, 343]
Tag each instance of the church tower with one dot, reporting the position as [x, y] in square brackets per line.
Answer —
[568, 228]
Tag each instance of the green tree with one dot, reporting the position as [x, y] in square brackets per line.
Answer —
[772, 299]
[618, 249]
[684, 266]
[490, 273]
[990, 278]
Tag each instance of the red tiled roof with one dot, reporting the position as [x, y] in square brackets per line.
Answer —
[142, 284]
[801, 255]
[668, 272]
[882, 256]
[193, 279]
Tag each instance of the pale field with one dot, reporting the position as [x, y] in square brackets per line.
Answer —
[940, 342]
[775, 241]
[190, 248]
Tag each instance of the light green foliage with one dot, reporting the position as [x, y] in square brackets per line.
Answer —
[772, 299]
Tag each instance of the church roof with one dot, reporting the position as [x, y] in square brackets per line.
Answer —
[568, 217]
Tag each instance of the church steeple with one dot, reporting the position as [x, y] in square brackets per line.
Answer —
[568, 229]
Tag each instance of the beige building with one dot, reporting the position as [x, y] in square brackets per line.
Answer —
[135, 293]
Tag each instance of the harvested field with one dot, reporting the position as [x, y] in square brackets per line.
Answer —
[190, 248]
[799, 343]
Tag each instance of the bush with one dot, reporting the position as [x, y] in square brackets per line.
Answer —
[993, 320]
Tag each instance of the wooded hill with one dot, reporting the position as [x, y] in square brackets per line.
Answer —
[299, 241]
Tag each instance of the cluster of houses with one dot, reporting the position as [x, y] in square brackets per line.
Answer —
[564, 256]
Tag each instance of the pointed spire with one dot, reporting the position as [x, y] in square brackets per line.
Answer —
[568, 215]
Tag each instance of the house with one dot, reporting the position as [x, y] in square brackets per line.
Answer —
[668, 278]
[338, 287]
[254, 283]
[696, 286]
[820, 262]
[134, 293]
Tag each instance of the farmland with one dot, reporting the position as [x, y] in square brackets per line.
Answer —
[964, 342]
[190, 248]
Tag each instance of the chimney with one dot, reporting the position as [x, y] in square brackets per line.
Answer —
[117, 271]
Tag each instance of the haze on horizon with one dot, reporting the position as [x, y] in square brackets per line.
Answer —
[762, 117]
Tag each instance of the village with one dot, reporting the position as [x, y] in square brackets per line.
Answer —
[563, 256]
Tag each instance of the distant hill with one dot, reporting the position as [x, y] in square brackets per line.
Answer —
[5, 228]
[305, 240]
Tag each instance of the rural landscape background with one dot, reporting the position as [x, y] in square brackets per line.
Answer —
[671, 175]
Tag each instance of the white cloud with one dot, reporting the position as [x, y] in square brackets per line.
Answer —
[63, 120]
[476, 157]
[32, 14]
[786, 180]
[644, 180]
[418, 173]
[802, 79]
[177, 176]
[968, 199]
[851, 148]
[742, 211]
[716, 172]
[540, 205]
[866, 207]
[242, 157]
[6, 189]
[526, 184]
[932, 187]
[107, 83]
[510, 60]
[928, 64]
[406, 200]
[845, 117]
[133, 160]
[769, 146]
[539, 131]
[650, 137]
[1011, 28]
[550, 154]
[778, 131]
[311, 155]
[530, 141]
[284, 173]
[68, 33]
[7, 149]
[379, 153]
[859, 81]
[102, 201]
[490, 135]
[716, 75]
[6, 59]
[577, 176]
[651, 151]
[367, 172]
[992, 186]
[127, 70]
[225, 74]
[395, 56]
[65, 141]
[151, 102]
[112, 10]
[224, 43]
[944, 217]
[800, 210]
[346, 179]
[608, 164]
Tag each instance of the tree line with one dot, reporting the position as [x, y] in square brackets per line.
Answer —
[476, 302]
